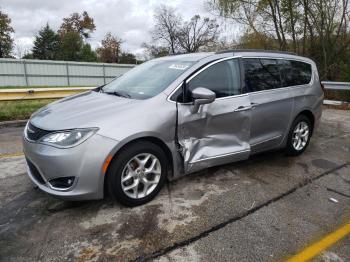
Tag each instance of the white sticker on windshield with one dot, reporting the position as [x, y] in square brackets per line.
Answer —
[178, 67]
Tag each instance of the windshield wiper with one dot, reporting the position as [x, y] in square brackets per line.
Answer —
[117, 93]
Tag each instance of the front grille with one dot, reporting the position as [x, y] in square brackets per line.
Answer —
[35, 172]
[34, 133]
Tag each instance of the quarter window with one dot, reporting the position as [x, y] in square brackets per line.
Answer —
[295, 73]
[261, 74]
[222, 78]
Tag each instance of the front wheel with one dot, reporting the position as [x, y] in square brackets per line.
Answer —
[137, 174]
[299, 136]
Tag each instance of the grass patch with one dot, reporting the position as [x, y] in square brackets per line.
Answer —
[15, 110]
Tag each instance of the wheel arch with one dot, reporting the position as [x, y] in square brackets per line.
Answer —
[155, 140]
[308, 113]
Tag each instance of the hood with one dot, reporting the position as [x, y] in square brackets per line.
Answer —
[89, 109]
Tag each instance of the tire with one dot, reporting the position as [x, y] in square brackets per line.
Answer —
[129, 163]
[292, 149]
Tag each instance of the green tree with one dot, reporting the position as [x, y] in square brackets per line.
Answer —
[127, 58]
[87, 54]
[73, 34]
[46, 44]
[6, 41]
[28, 56]
[70, 47]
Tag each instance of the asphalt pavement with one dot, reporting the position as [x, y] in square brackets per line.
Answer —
[268, 208]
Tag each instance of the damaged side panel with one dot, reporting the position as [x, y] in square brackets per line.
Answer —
[217, 134]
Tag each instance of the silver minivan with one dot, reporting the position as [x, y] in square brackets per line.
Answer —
[170, 117]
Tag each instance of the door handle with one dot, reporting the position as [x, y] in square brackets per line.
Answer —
[253, 105]
[243, 108]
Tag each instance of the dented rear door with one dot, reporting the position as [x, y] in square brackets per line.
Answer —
[219, 132]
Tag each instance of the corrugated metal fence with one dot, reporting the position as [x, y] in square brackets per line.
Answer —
[25, 72]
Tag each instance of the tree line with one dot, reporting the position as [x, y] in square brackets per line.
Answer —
[318, 29]
[69, 42]
[171, 34]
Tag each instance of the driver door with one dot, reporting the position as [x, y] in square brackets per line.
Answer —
[219, 132]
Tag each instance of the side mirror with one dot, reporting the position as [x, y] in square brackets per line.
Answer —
[202, 96]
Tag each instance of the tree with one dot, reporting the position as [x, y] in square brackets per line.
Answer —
[167, 26]
[172, 35]
[257, 40]
[70, 46]
[198, 33]
[82, 24]
[6, 41]
[73, 33]
[127, 58]
[28, 56]
[87, 54]
[46, 44]
[153, 51]
[110, 50]
[315, 28]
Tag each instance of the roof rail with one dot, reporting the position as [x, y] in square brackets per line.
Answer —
[255, 50]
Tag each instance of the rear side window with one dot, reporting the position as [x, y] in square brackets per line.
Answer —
[261, 74]
[295, 73]
[222, 78]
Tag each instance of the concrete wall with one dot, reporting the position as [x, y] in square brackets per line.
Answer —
[23, 72]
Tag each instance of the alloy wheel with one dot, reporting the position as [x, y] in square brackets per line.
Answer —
[141, 175]
[300, 135]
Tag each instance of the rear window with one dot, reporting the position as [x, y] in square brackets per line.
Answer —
[261, 74]
[264, 74]
[295, 73]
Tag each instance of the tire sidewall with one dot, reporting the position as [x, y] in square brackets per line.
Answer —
[116, 168]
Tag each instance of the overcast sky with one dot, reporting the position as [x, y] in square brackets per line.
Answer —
[130, 20]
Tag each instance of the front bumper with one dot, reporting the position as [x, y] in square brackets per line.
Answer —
[84, 162]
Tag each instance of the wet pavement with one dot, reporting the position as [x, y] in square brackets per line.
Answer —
[264, 209]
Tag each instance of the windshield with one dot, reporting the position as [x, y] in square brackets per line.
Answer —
[148, 79]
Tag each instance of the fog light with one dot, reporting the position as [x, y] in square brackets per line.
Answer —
[62, 182]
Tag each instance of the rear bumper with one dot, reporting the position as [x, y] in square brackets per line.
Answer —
[83, 162]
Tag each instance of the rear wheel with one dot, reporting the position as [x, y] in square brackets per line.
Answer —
[299, 135]
[137, 174]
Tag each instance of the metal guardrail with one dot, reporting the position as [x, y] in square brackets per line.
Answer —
[39, 93]
[52, 93]
[336, 85]
[328, 85]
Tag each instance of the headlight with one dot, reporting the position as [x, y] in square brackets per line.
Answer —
[68, 138]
